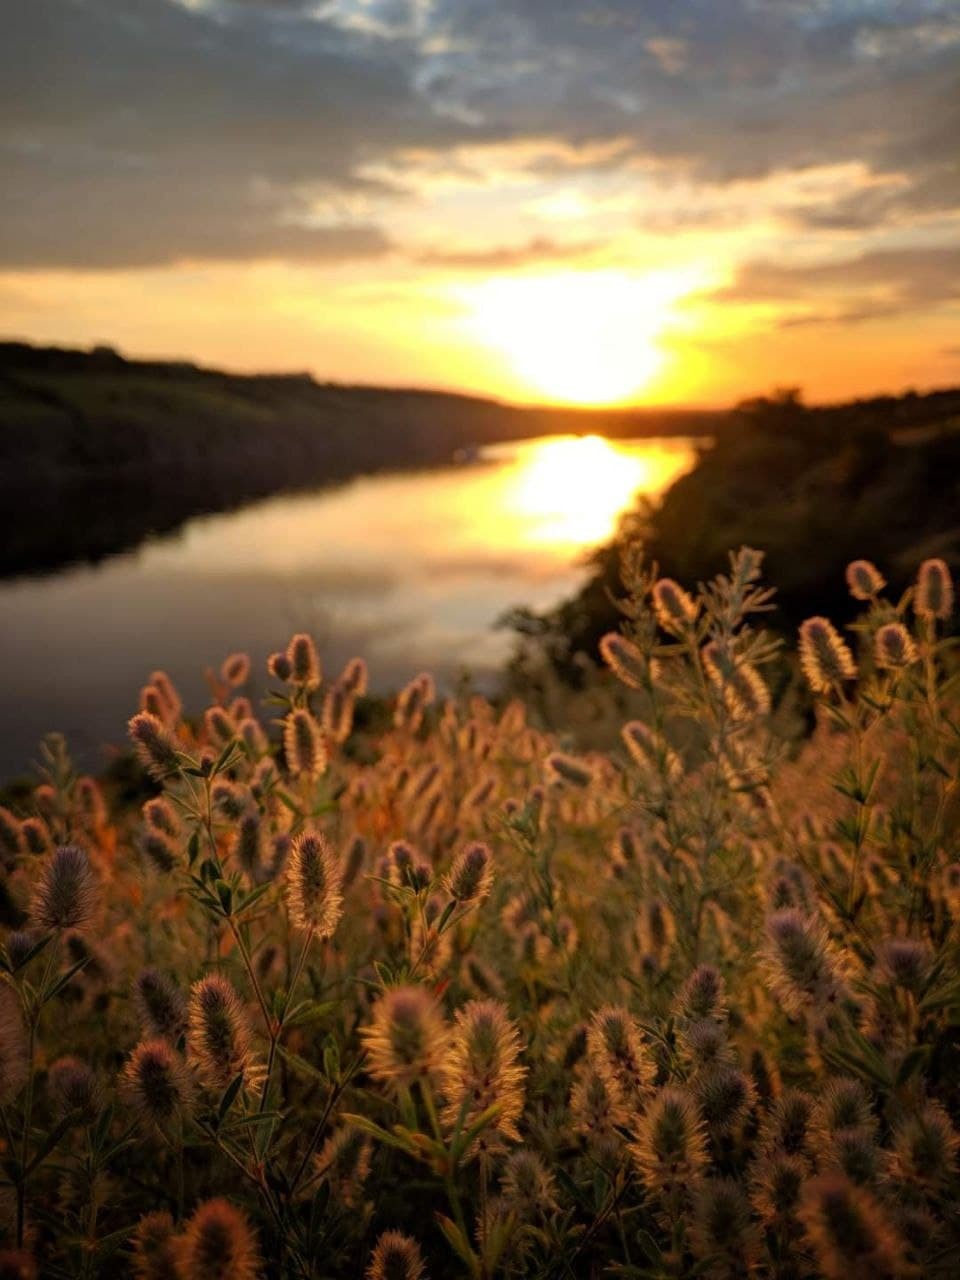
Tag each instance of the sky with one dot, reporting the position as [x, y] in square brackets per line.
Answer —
[571, 201]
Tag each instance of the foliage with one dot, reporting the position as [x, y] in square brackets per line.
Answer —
[455, 998]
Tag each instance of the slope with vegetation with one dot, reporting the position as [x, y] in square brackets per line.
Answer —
[813, 486]
[314, 997]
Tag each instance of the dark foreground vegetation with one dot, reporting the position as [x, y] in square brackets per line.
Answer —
[97, 452]
[446, 997]
[814, 486]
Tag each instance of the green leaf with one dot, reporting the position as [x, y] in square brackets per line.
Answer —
[229, 1097]
[459, 1243]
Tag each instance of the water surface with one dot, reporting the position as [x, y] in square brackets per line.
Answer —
[411, 570]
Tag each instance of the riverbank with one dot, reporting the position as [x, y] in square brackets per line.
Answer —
[98, 452]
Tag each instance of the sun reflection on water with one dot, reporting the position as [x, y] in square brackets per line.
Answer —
[568, 492]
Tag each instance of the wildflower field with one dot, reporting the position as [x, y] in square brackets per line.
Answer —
[445, 994]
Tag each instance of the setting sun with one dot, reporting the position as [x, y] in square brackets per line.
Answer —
[581, 337]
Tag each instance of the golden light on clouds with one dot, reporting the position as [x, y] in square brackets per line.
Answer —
[587, 337]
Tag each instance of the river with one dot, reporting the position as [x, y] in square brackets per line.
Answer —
[408, 569]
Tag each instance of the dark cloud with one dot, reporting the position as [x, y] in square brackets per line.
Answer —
[145, 131]
[135, 131]
[881, 283]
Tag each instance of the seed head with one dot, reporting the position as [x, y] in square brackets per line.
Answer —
[656, 929]
[787, 1125]
[626, 661]
[406, 1038]
[304, 661]
[776, 1184]
[13, 1045]
[36, 836]
[864, 580]
[703, 995]
[218, 1244]
[801, 962]
[670, 1150]
[253, 737]
[704, 1045]
[235, 670]
[218, 1033]
[90, 804]
[248, 846]
[412, 701]
[314, 885]
[160, 814]
[843, 1104]
[481, 1068]
[721, 1231]
[19, 945]
[675, 609]
[854, 1153]
[593, 1111]
[169, 698]
[278, 665]
[154, 744]
[620, 1058]
[925, 1149]
[75, 1088]
[157, 1084]
[11, 835]
[904, 962]
[66, 894]
[650, 751]
[851, 1233]
[219, 726]
[528, 1186]
[354, 677]
[826, 659]
[154, 1253]
[893, 647]
[303, 744]
[344, 1163]
[160, 849]
[934, 594]
[160, 1006]
[230, 798]
[740, 684]
[471, 876]
[396, 1257]
[726, 1096]
[338, 713]
[354, 860]
[565, 768]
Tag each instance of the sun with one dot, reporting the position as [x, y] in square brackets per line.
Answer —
[588, 338]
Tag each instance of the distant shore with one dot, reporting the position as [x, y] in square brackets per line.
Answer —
[98, 452]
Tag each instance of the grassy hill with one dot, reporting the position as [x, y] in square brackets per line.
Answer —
[97, 451]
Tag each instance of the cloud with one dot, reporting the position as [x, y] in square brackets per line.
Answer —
[149, 131]
[883, 282]
[507, 257]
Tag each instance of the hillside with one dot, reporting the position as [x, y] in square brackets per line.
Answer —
[97, 452]
[815, 487]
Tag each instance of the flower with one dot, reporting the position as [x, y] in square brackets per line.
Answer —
[471, 876]
[406, 1038]
[218, 1244]
[157, 1084]
[826, 659]
[314, 885]
[396, 1257]
[864, 580]
[66, 894]
[218, 1034]
[481, 1070]
[934, 594]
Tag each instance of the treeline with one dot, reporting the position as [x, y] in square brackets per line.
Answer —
[97, 452]
[815, 487]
